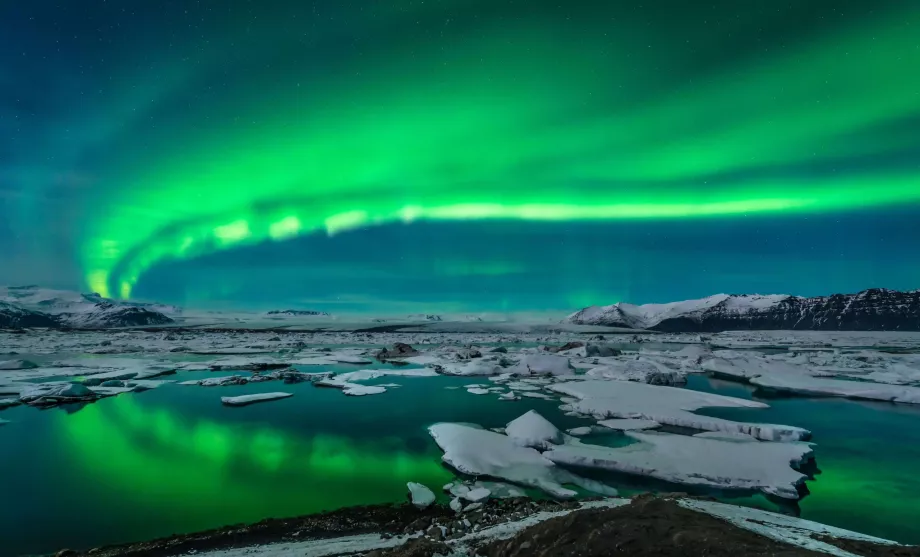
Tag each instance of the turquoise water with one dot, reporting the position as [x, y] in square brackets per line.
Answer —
[868, 454]
[175, 459]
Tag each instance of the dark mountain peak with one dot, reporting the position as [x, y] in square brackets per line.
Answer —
[873, 309]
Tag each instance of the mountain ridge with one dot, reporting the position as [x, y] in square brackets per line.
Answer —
[33, 306]
[873, 309]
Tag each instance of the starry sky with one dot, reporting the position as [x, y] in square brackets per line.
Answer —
[458, 155]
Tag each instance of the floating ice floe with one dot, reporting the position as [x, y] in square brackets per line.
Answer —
[543, 364]
[471, 368]
[786, 376]
[367, 374]
[478, 391]
[537, 395]
[477, 494]
[350, 359]
[49, 394]
[580, 431]
[709, 462]
[16, 364]
[628, 424]
[667, 406]
[353, 389]
[8, 402]
[7, 389]
[641, 370]
[229, 351]
[533, 430]
[245, 400]
[816, 386]
[222, 381]
[421, 496]
[479, 452]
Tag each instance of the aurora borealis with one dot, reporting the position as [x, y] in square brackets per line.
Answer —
[498, 154]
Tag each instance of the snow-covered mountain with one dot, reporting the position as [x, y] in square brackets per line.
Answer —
[876, 309]
[16, 317]
[63, 308]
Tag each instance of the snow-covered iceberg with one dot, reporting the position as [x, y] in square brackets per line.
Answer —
[667, 406]
[479, 452]
[533, 430]
[710, 462]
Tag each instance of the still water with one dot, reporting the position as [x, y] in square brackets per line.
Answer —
[175, 460]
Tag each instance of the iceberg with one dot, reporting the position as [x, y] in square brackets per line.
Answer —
[421, 496]
[533, 430]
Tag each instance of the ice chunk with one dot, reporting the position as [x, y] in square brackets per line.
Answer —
[473, 367]
[480, 452]
[533, 430]
[476, 495]
[579, 431]
[629, 424]
[641, 370]
[667, 406]
[803, 384]
[117, 375]
[456, 505]
[252, 399]
[366, 374]
[352, 389]
[421, 496]
[537, 395]
[540, 364]
[477, 391]
[682, 459]
[501, 490]
[46, 394]
[16, 364]
[350, 359]
[509, 396]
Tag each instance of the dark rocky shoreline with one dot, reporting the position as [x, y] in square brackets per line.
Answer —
[648, 526]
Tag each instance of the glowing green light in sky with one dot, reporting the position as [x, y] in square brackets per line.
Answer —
[521, 123]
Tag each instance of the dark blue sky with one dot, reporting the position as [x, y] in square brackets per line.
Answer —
[456, 155]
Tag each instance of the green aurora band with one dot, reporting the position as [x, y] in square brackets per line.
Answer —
[523, 122]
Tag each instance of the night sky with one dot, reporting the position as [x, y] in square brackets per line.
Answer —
[459, 155]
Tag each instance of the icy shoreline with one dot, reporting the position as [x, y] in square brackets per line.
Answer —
[387, 529]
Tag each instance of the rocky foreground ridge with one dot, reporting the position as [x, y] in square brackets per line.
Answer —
[646, 526]
[876, 309]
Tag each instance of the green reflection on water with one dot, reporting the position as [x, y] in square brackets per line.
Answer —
[158, 458]
[868, 454]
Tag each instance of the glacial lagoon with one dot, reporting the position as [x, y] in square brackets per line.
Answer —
[175, 460]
